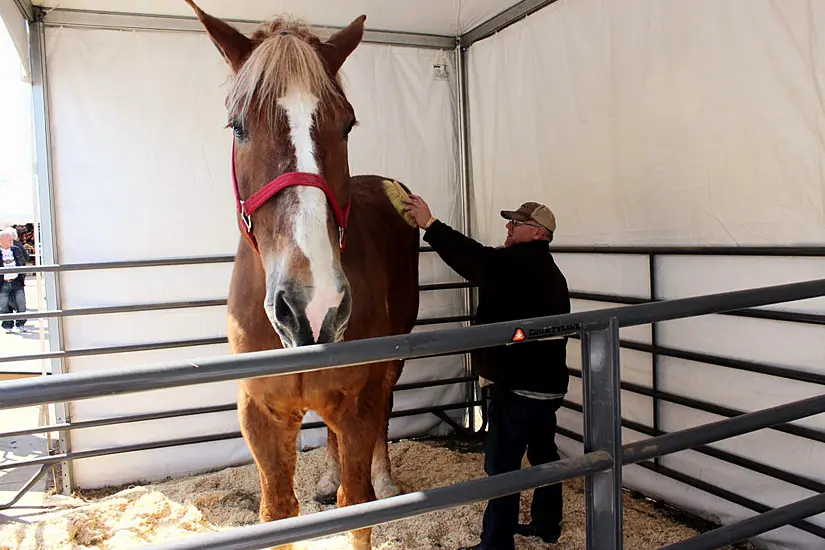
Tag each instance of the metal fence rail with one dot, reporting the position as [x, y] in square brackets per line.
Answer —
[181, 304]
[653, 255]
[183, 441]
[707, 487]
[756, 525]
[194, 411]
[591, 464]
[19, 393]
[62, 354]
[330, 522]
[129, 264]
[759, 251]
[600, 347]
[451, 341]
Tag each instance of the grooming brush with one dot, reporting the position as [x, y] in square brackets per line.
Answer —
[397, 194]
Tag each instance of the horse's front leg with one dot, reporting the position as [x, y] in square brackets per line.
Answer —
[357, 426]
[271, 437]
[381, 470]
[382, 480]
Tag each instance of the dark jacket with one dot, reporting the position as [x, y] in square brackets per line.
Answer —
[20, 259]
[517, 282]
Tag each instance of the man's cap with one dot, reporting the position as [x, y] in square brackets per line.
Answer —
[532, 211]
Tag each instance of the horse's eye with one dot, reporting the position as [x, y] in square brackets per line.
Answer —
[238, 129]
[350, 126]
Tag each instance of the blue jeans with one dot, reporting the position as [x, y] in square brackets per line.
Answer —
[518, 424]
[12, 298]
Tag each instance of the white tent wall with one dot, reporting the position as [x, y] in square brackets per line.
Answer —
[141, 171]
[690, 122]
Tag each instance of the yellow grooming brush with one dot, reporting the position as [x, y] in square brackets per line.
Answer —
[397, 194]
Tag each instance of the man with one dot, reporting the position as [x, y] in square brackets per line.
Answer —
[529, 380]
[12, 286]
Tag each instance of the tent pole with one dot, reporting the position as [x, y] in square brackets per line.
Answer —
[465, 193]
[47, 226]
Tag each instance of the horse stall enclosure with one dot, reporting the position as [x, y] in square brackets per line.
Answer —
[681, 145]
[648, 125]
[140, 159]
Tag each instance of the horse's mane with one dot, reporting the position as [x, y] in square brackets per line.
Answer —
[285, 58]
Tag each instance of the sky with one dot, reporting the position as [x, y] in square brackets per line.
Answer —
[16, 181]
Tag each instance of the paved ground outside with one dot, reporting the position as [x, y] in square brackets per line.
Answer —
[15, 449]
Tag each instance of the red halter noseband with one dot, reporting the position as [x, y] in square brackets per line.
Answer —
[249, 206]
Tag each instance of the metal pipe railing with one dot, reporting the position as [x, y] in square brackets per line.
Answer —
[108, 310]
[724, 456]
[111, 350]
[709, 488]
[781, 251]
[777, 251]
[696, 404]
[195, 411]
[792, 429]
[768, 314]
[192, 440]
[359, 516]
[762, 523]
[730, 496]
[181, 304]
[601, 490]
[126, 264]
[738, 364]
[722, 429]
[121, 264]
[34, 391]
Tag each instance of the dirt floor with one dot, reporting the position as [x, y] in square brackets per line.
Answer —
[131, 517]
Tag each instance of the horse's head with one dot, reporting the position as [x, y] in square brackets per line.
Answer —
[291, 121]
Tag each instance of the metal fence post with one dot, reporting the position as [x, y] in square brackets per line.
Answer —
[602, 432]
[654, 356]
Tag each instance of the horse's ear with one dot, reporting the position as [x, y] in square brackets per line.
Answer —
[234, 46]
[341, 44]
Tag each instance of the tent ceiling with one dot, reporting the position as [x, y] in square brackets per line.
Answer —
[444, 17]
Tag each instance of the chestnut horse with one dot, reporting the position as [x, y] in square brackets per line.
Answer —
[323, 257]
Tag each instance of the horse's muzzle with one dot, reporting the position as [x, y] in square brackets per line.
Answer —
[305, 315]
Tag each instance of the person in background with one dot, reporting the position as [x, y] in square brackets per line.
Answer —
[13, 285]
[529, 380]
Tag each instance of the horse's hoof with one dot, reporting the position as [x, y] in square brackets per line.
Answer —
[326, 500]
[326, 492]
[385, 489]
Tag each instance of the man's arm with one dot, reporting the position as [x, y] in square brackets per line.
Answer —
[467, 257]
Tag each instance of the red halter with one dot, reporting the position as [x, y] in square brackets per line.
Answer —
[249, 206]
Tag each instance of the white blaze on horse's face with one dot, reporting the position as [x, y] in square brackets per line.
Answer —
[325, 293]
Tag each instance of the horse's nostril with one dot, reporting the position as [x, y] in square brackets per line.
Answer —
[281, 305]
[286, 312]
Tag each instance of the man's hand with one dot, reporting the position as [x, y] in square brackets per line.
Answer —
[418, 209]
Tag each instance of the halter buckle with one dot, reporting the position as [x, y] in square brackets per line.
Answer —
[341, 234]
[247, 220]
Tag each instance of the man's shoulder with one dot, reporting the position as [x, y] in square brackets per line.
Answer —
[532, 251]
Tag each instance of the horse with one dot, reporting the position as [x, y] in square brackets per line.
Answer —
[323, 257]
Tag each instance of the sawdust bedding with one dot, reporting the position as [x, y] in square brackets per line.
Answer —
[135, 516]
